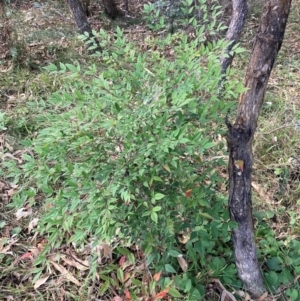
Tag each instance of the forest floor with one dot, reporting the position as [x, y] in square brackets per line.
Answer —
[44, 32]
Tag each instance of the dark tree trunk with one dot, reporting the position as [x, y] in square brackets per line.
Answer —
[85, 5]
[111, 8]
[83, 24]
[239, 15]
[240, 136]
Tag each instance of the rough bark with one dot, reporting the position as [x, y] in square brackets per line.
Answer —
[83, 24]
[239, 14]
[85, 5]
[5, 36]
[111, 8]
[240, 135]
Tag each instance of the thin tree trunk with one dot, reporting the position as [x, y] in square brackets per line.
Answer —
[239, 15]
[111, 8]
[240, 136]
[5, 36]
[83, 24]
[85, 6]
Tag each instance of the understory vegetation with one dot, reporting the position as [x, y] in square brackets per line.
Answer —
[114, 165]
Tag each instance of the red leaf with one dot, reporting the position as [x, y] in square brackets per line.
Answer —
[162, 294]
[127, 294]
[27, 255]
[122, 260]
[188, 193]
[156, 277]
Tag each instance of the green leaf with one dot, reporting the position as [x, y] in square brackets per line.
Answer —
[136, 282]
[274, 264]
[154, 217]
[38, 272]
[146, 213]
[157, 179]
[285, 276]
[208, 145]
[288, 260]
[51, 68]
[120, 275]
[188, 285]
[158, 196]
[272, 279]
[292, 293]
[77, 237]
[205, 215]
[131, 258]
[239, 50]
[123, 251]
[151, 258]
[170, 269]
[71, 67]
[174, 292]
[104, 287]
[174, 253]
[156, 208]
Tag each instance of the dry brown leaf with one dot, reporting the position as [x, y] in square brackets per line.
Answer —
[5, 250]
[12, 157]
[98, 249]
[156, 277]
[227, 296]
[10, 242]
[8, 146]
[65, 273]
[3, 241]
[263, 194]
[14, 186]
[28, 18]
[184, 238]
[40, 282]
[34, 251]
[76, 262]
[128, 283]
[140, 268]
[127, 276]
[10, 192]
[105, 249]
[182, 262]
[22, 213]
[240, 293]
[262, 297]
[33, 224]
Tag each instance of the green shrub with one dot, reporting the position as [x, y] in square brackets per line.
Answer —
[127, 150]
[130, 151]
[186, 14]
